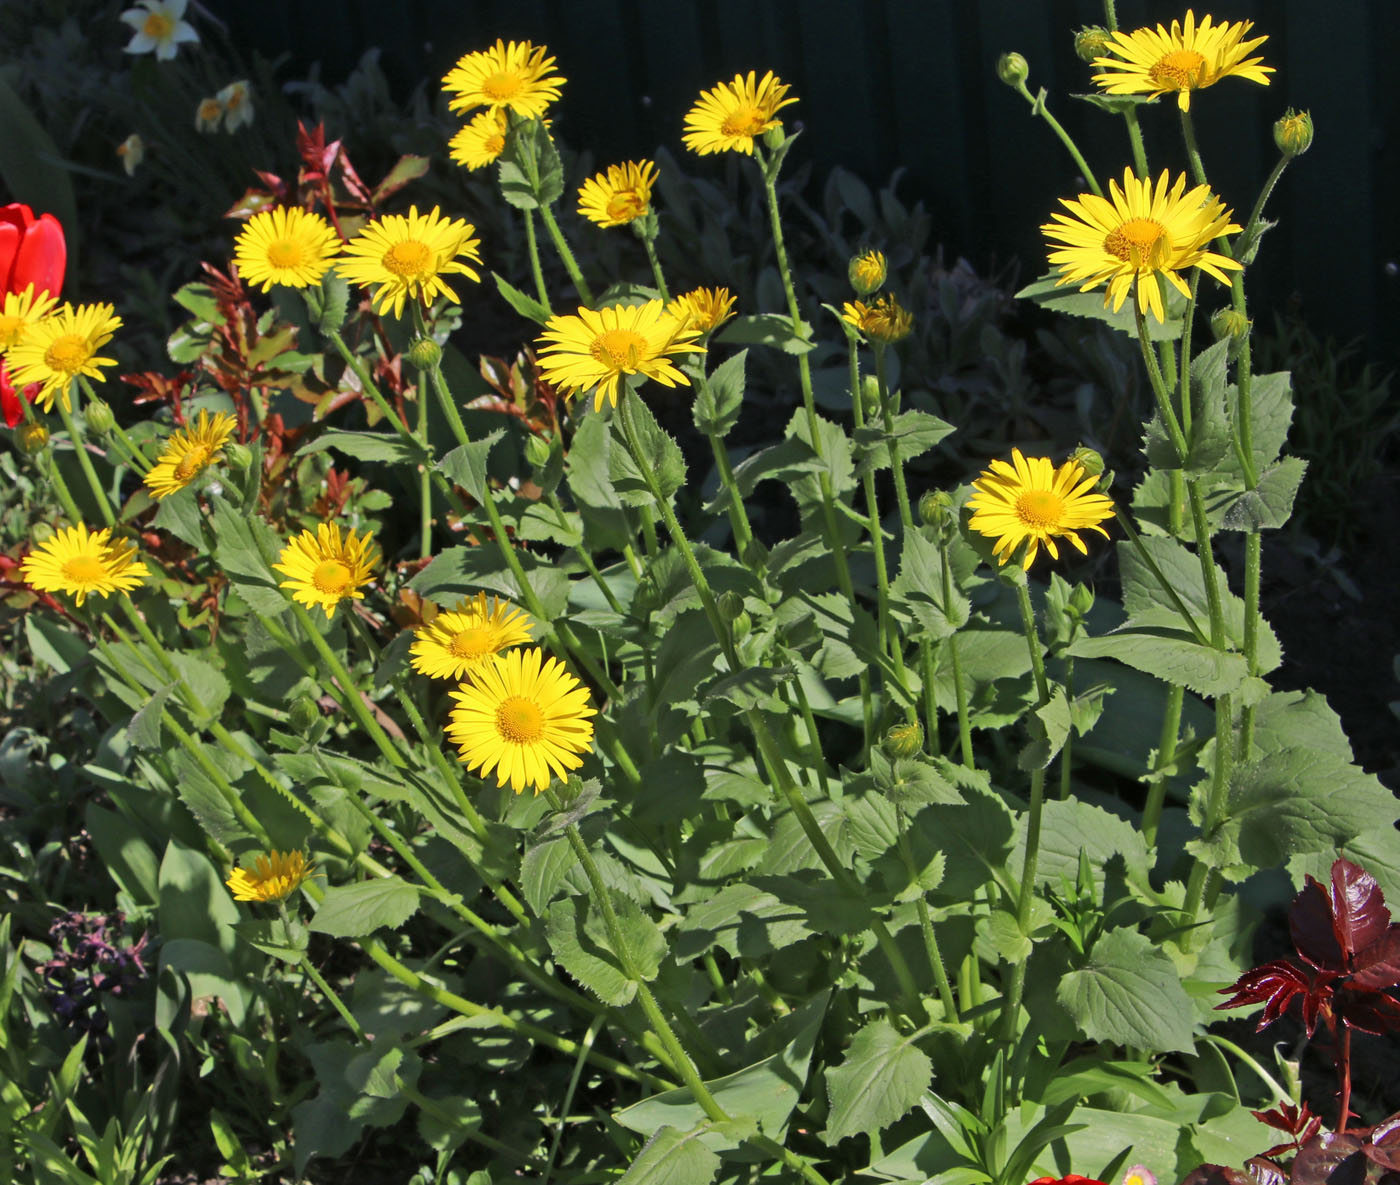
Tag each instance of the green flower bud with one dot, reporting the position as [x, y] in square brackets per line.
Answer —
[303, 715]
[1294, 133]
[537, 451]
[1013, 69]
[1088, 460]
[100, 418]
[1229, 323]
[935, 508]
[775, 137]
[867, 271]
[741, 625]
[731, 604]
[40, 533]
[33, 436]
[904, 740]
[238, 456]
[1092, 42]
[870, 394]
[1081, 600]
[424, 353]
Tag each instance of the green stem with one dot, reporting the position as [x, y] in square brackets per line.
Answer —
[1067, 749]
[104, 505]
[1253, 550]
[1166, 755]
[814, 741]
[887, 410]
[1193, 152]
[931, 948]
[1216, 801]
[425, 479]
[959, 686]
[1166, 585]
[930, 697]
[570, 263]
[536, 270]
[1028, 627]
[1280, 1095]
[649, 242]
[734, 504]
[1135, 141]
[334, 1000]
[1039, 108]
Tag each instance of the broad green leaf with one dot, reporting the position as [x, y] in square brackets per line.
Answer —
[918, 589]
[720, 397]
[881, 1078]
[52, 643]
[205, 798]
[1209, 440]
[1129, 993]
[1048, 293]
[245, 546]
[179, 514]
[768, 329]
[584, 954]
[524, 304]
[369, 446]
[1071, 826]
[125, 853]
[915, 432]
[144, 728]
[209, 971]
[1270, 414]
[285, 940]
[466, 465]
[743, 920]
[784, 461]
[1049, 726]
[1270, 503]
[659, 453]
[674, 1157]
[975, 837]
[531, 174]
[1178, 659]
[354, 911]
[208, 685]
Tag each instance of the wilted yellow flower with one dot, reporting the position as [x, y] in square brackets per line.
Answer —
[323, 569]
[619, 196]
[61, 346]
[511, 75]
[273, 877]
[729, 115]
[83, 564]
[1030, 501]
[402, 257]
[885, 321]
[188, 451]
[703, 309]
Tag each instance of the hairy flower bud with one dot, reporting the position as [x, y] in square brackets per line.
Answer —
[100, 418]
[1088, 460]
[33, 436]
[904, 740]
[1092, 42]
[303, 714]
[237, 456]
[867, 271]
[537, 451]
[1013, 69]
[40, 533]
[935, 508]
[731, 604]
[424, 353]
[870, 394]
[1228, 323]
[1294, 133]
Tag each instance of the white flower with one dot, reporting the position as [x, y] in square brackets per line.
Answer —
[159, 26]
[208, 114]
[131, 150]
[237, 99]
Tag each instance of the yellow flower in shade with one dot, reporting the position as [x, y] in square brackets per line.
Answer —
[514, 75]
[885, 320]
[19, 311]
[273, 877]
[592, 351]
[1032, 501]
[867, 271]
[323, 569]
[481, 141]
[288, 246]
[402, 257]
[208, 114]
[237, 99]
[619, 196]
[188, 451]
[82, 564]
[523, 716]
[1141, 234]
[61, 346]
[1155, 62]
[703, 309]
[728, 116]
[458, 641]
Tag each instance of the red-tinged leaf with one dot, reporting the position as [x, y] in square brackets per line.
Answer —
[1287, 1118]
[1333, 1158]
[1378, 966]
[1358, 907]
[255, 201]
[351, 179]
[407, 168]
[1275, 985]
[1215, 1174]
[1311, 925]
[1384, 1148]
[1263, 1171]
[1371, 1012]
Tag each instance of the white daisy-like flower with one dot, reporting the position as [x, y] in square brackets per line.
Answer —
[159, 27]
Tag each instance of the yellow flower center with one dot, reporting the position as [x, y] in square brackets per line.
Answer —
[84, 569]
[210, 110]
[1040, 509]
[235, 100]
[501, 86]
[409, 260]
[744, 121]
[68, 354]
[192, 462]
[1141, 240]
[473, 643]
[520, 720]
[626, 205]
[1177, 71]
[286, 253]
[331, 576]
[158, 26]
[11, 330]
[619, 349]
[495, 144]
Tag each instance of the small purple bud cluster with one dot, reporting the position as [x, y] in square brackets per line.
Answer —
[92, 956]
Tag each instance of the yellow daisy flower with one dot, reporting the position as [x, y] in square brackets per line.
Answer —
[286, 245]
[619, 196]
[481, 141]
[62, 346]
[524, 717]
[592, 351]
[457, 642]
[514, 75]
[1141, 234]
[273, 876]
[728, 116]
[885, 320]
[188, 451]
[19, 311]
[1031, 500]
[323, 569]
[703, 309]
[1153, 62]
[83, 564]
[408, 256]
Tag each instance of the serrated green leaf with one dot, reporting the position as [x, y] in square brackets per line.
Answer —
[578, 939]
[144, 728]
[285, 940]
[179, 515]
[524, 304]
[915, 432]
[1209, 440]
[1270, 503]
[1003, 933]
[768, 329]
[531, 174]
[354, 911]
[720, 397]
[466, 465]
[1051, 727]
[1049, 294]
[368, 446]
[674, 1157]
[659, 453]
[742, 919]
[1129, 993]
[53, 644]
[1173, 658]
[881, 1078]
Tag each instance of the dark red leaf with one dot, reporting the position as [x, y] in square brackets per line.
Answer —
[1275, 985]
[1314, 935]
[1216, 1174]
[1378, 965]
[1359, 915]
[1371, 1012]
[1333, 1158]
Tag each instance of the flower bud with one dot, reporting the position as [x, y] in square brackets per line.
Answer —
[904, 740]
[741, 625]
[731, 604]
[424, 353]
[867, 271]
[1013, 69]
[1294, 133]
[870, 394]
[1092, 42]
[537, 451]
[1088, 460]
[100, 418]
[935, 508]
[1228, 323]
[33, 436]
[303, 714]
[775, 137]
[40, 533]
[1081, 600]
[238, 456]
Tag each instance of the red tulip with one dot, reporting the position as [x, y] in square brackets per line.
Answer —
[32, 251]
